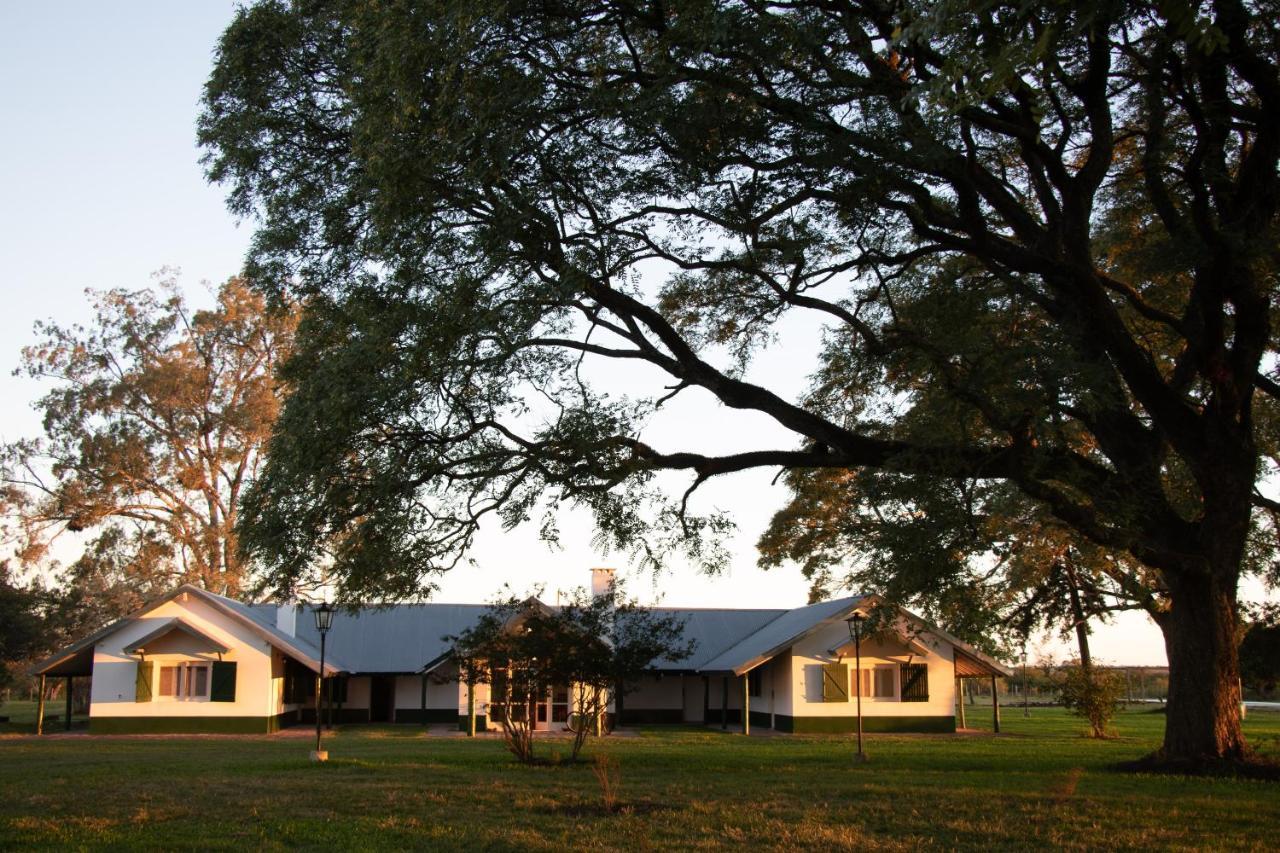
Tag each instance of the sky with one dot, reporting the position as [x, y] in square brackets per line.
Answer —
[101, 187]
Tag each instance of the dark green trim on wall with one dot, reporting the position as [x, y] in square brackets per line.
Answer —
[761, 719]
[186, 725]
[464, 722]
[873, 725]
[341, 716]
[733, 715]
[431, 715]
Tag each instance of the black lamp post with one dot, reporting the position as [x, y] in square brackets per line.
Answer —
[324, 621]
[855, 634]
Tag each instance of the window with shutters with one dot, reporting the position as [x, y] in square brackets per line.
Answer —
[188, 680]
[915, 682]
[755, 683]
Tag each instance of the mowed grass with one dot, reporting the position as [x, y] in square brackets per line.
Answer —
[1039, 786]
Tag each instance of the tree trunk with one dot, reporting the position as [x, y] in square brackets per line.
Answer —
[1078, 616]
[1200, 634]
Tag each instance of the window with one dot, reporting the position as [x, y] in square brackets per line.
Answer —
[880, 682]
[185, 681]
[755, 683]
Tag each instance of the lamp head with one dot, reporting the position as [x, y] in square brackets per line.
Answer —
[855, 621]
[324, 617]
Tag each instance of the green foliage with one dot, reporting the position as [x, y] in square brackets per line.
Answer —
[1094, 694]
[21, 627]
[1260, 651]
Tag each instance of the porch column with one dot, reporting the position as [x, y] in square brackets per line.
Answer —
[424, 698]
[995, 707]
[960, 700]
[67, 726]
[706, 699]
[40, 708]
[746, 705]
[724, 702]
[471, 707]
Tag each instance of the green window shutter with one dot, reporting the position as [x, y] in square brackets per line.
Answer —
[915, 682]
[142, 683]
[835, 682]
[338, 688]
[222, 686]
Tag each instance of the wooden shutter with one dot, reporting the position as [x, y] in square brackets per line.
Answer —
[142, 683]
[915, 682]
[222, 684]
[835, 682]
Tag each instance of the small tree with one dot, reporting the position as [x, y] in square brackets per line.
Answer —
[595, 646]
[1260, 651]
[1092, 693]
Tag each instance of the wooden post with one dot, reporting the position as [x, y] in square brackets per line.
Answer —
[424, 698]
[706, 699]
[471, 707]
[746, 704]
[960, 700]
[40, 708]
[724, 703]
[597, 704]
[995, 707]
[67, 726]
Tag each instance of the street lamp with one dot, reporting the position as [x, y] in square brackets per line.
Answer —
[324, 621]
[855, 634]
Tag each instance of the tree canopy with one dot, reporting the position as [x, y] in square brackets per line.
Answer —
[1041, 239]
[153, 428]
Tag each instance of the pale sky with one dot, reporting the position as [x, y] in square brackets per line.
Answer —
[100, 187]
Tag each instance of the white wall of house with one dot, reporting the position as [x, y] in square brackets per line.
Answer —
[113, 692]
[654, 693]
[808, 656]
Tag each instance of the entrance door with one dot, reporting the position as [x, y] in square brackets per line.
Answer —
[382, 699]
[552, 710]
[695, 699]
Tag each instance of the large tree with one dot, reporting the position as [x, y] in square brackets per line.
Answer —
[1042, 239]
[153, 428]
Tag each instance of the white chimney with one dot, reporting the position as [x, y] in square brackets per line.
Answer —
[601, 581]
[287, 618]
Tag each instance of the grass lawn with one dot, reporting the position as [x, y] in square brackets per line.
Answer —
[1041, 785]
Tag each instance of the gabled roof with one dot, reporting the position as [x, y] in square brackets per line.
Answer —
[778, 635]
[168, 627]
[296, 647]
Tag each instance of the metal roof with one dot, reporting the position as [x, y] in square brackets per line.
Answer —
[789, 626]
[80, 653]
[399, 638]
[713, 631]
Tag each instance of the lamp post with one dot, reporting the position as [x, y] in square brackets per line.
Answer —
[855, 633]
[324, 621]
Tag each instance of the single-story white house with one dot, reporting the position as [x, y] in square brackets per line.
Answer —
[194, 661]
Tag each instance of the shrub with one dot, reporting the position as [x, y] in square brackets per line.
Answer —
[1094, 694]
